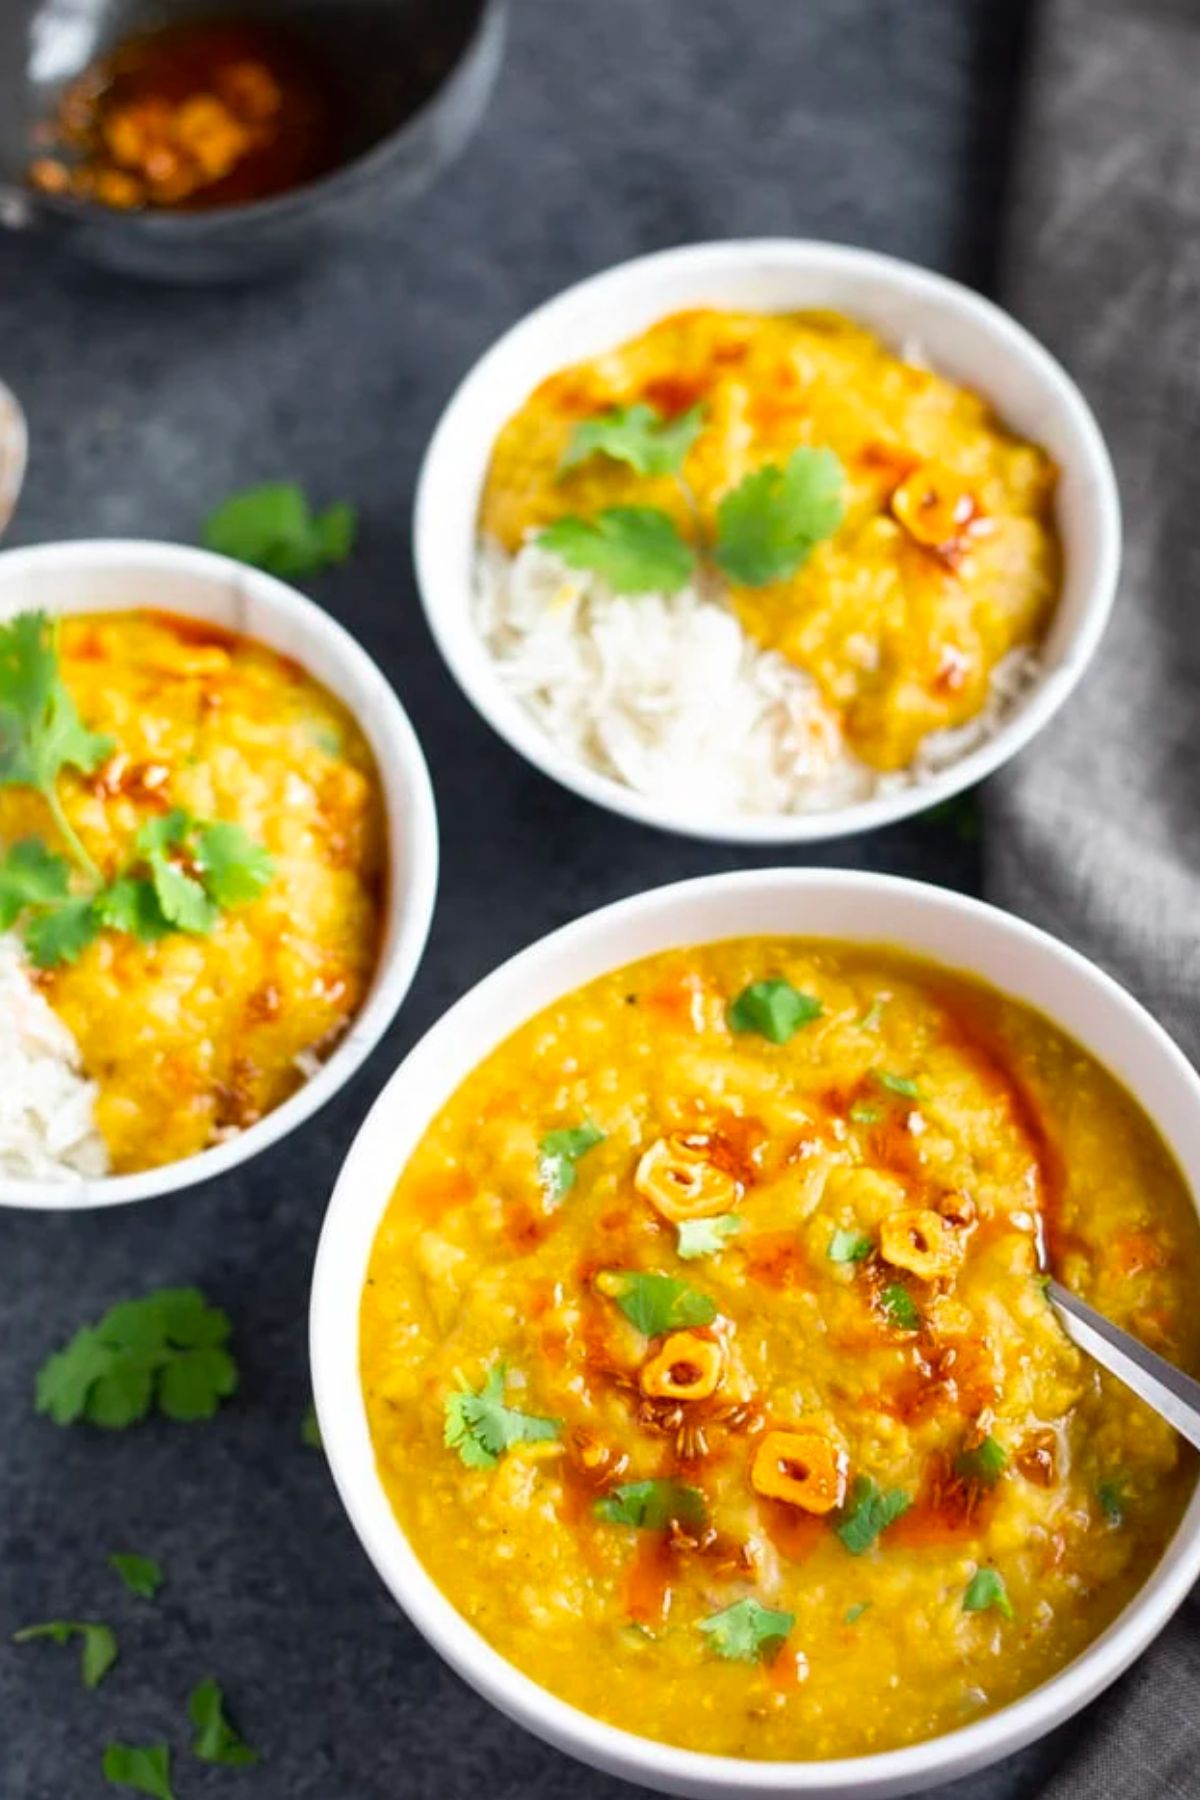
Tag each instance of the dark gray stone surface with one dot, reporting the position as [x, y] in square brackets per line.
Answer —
[616, 128]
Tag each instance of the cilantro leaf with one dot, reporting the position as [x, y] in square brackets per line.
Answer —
[1113, 1500]
[985, 1462]
[849, 1247]
[768, 524]
[746, 1631]
[656, 1303]
[559, 1153]
[637, 435]
[863, 1114]
[652, 1505]
[141, 1574]
[168, 1349]
[216, 1741]
[481, 1427]
[775, 1009]
[30, 875]
[41, 732]
[636, 549]
[900, 1307]
[147, 1768]
[99, 1644]
[854, 1613]
[706, 1237]
[183, 901]
[897, 1084]
[310, 1429]
[131, 905]
[60, 936]
[869, 1513]
[273, 528]
[985, 1589]
[233, 868]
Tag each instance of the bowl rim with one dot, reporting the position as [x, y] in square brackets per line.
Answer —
[481, 51]
[477, 677]
[356, 1208]
[402, 771]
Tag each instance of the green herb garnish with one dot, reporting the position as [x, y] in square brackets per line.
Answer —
[481, 1427]
[862, 1114]
[849, 1247]
[986, 1588]
[99, 1651]
[900, 1308]
[768, 525]
[656, 1303]
[636, 549]
[166, 1350]
[310, 1430]
[273, 528]
[147, 1768]
[41, 732]
[638, 435]
[898, 1084]
[652, 1505]
[141, 1574]
[559, 1153]
[746, 1631]
[984, 1463]
[854, 1613]
[216, 1741]
[775, 1009]
[869, 1513]
[706, 1237]
[1113, 1500]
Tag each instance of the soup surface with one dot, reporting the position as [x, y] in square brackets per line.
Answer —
[197, 1032]
[945, 559]
[708, 1366]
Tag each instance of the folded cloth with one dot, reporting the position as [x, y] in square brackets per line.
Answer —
[1095, 832]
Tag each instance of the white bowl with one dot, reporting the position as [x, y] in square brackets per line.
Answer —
[962, 933]
[962, 335]
[107, 576]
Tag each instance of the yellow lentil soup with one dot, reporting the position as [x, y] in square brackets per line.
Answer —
[709, 1369]
[208, 758]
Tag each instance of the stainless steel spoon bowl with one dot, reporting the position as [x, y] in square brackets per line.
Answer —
[14, 449]
[1172, 1394]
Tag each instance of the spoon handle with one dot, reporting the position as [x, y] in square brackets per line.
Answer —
[1172, 1394]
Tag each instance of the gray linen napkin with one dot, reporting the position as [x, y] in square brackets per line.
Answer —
[1095, 833]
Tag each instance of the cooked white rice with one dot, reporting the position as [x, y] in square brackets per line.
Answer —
[47, 1118]
[670, 696]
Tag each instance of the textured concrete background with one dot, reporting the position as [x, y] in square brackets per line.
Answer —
[616, 129]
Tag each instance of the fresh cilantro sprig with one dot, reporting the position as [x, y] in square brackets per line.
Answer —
[143, 1767]
[41, 733]
[636, 549]
[656, 1303]
[638, 435]
[481, 1427]
[706, 1237]
[747, 1631]
[768, 525]
[168, 1350]
[216, 1740]
[652, 1505]
[559, 1153]
[986, 1589]
[984, 1462]
[141, 1574]
[274, 528]
[869, 1514]
[774, 1009]
[900, 1309]
[99, 1650]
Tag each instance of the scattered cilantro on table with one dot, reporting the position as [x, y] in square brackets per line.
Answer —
[652, 1505]
[559, 1153]
[146, 1768]
[638, 435]
[706, 1237]
[986, 1589]
[768, 525]
[168, 1350]
[273, 527]
[216, 1740]
[869, 1513]
[141, 1574]
[774, 1009]
[746, 1631]
[310, 1430]
[481, 1427]
[636, 549]
[656, 1303]
[99, 1650]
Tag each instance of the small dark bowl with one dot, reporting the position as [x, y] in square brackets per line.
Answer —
[419, 73]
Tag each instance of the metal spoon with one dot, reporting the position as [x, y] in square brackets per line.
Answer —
[1172, 1394]
[14, 442]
